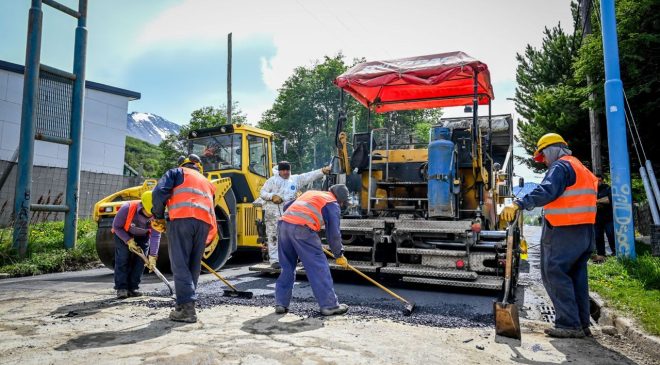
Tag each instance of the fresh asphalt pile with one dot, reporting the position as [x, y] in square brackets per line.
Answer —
[436, 315]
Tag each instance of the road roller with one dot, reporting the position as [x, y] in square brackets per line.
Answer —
[238, 160]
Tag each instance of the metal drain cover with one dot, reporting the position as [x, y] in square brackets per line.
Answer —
[547, 313]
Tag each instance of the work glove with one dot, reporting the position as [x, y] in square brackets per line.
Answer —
[509, 212]
[133, 246]
[326, 170]
[152, 263]
[341, 261]
[276, 199]
[159, 225]
[211, 246]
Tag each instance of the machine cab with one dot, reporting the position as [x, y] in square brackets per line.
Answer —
[240, 152]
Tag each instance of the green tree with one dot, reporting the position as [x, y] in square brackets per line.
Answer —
[306, 109]
[552, 93]
[638, 28]
[549, 98]
[174, 145]
[145, 157]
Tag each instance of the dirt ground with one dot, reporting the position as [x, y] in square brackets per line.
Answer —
[73, 318]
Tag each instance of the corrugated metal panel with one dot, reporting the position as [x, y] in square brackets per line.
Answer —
[54, 108]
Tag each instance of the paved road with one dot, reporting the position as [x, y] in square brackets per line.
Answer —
[74, 318]
[442, 307]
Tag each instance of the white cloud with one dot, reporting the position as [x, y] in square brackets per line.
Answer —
[305, 30]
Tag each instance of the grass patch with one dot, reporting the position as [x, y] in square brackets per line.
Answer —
[632, 287]
[46, 252]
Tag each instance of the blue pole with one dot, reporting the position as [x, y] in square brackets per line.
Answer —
[26, 142]
[77, 107]
[616, 135]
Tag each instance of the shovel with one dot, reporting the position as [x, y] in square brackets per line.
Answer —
[507, 323]
[410, 306]
[155, 270]
[234, 293]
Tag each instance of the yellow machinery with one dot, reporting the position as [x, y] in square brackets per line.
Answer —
[238, 160]
[426, 210]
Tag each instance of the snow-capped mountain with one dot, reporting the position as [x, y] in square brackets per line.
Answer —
[150, 127]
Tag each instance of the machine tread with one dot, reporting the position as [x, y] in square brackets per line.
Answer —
[350, 248]
[430, 252]
[420, 226]
[419, 270]
[486, 283]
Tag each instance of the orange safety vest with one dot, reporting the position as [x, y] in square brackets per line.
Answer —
[577, 205]
[306, 210]
[132, 209]
[194, 198]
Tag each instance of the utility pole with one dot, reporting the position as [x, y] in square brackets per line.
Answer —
[229, 78]
[594, 122]
[616, 135]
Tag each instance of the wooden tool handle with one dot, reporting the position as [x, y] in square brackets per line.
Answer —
[207, 267]
[369, 279]
[509, 247]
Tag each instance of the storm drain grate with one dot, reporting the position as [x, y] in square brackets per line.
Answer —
[547, 313]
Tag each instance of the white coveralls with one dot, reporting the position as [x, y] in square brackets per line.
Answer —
[286, 189]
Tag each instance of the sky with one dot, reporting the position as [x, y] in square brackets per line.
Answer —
[174, 52]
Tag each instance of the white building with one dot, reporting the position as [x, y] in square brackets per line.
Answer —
[104, 128]
[104, 139]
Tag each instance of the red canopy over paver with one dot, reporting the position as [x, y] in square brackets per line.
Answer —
[433, 81]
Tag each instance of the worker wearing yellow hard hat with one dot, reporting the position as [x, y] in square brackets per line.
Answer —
[545, 141]
[192, 231]
[133, 234]
[568, 197]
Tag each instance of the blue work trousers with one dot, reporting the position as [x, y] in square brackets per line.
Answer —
[186, 242]
[565, 251]
[295, 241]
[605, 229]
[128, 266]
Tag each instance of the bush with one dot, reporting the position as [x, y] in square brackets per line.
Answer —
[46, 252]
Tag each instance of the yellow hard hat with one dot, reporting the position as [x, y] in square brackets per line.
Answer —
[545, 141]
[191, 159]
[147, 203]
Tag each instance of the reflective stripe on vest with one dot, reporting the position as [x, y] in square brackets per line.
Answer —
[194, 199]
[577, 205]
[306, 210]
[132, 209]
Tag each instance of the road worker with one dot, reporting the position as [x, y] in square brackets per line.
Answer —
[568, 196]
[280, 189]
[132, 229]
[301, 221]
[191, 229]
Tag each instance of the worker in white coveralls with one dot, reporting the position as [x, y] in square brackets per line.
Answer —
[281, 188]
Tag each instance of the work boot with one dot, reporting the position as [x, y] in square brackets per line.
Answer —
[564, 333]
[598, 259]
[338, 310]
[134, 293]
[275, 265]
[122, 294]
[587, 332]
[280, 309]
[185, 313]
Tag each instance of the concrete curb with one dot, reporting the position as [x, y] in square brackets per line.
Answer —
[612, 323]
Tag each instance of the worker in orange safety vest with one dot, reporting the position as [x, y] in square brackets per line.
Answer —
[132, 229]
[298, 238]
[192, 229]
[568, 197]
